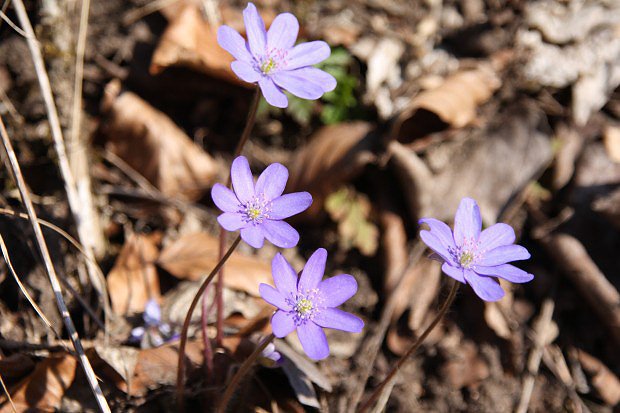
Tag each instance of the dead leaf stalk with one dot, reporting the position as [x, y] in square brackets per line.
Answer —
[387, 381]
[49, 266]
[188, 318]
[242, 372]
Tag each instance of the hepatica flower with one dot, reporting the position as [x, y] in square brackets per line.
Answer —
[154, 332]
[308, 304]
[476, 257]
[258, 210]
[271, 59]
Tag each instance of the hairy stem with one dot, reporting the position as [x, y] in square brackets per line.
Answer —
[442, 311]
[188, 318]
[242, 372]
[245, 135]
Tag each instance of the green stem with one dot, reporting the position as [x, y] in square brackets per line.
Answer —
[243, 370]
[188, 317]
[442, 311]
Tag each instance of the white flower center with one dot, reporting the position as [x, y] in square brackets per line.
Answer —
[274, 60]
[256, 210]
[467, 254]
[305, 306]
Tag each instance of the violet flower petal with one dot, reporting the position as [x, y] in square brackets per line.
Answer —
[297, 84]
[272, 93]
[440, 230]
[233, 43]
[290, 204]
[339, 320]
[272, 181]
[507, 272]
[503, 255]
[282, 32]
[467, 222]
[245, 71]
[313, 271]
[255, 29]
[496, 236]
[232, 221]
[307, 54]
[436, 245]
[282, 323]
[313, 340]
[242, 180]
[273, 296]
[253, 235]
[224, 198]
[152, 313]
[284, 276]
[486, 288]
[280, 233]
[454, 272]
[336, 290]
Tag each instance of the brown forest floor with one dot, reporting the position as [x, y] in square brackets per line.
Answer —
[513, 103]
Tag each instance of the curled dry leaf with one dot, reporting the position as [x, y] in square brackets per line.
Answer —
[44, 389]
[154, 146]
[452, 104]
[189, 41]
[193, 256]
[604, 380]
[335, 155]
[133, 280]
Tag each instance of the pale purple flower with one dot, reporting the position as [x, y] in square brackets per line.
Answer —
[271, 59]
[476, 257]
[308, 304]
[269, 357]
[154, 332]
[258, 210]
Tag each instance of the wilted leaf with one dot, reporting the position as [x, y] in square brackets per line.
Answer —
[43, 390]
[133, 280]
[351, 211]
[604, 380]
[189, 41]
[452, 104]
[335, 155]
[154, 146]
[193, 256]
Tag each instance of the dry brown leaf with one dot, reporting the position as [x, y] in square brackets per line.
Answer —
[43, 390]
[193, 256]
[604, 380]
[189, 41]
[466, 367]
[611, 137]
[15, 366]
[154, 146]
[133, 280]
[335, 155]
[452, 104]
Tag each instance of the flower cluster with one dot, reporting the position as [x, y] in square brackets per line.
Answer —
[473, 256]
[271, 59]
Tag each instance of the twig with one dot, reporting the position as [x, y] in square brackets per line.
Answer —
[245, 367]
[392, 374]
[84, 228]
[575, 262]
[8, 395]
[51, 271]
[140, 12]
[188, 319]
[541, 339]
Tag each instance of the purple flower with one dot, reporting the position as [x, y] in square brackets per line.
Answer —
[308, 304]
[269, 357]
[272, 59]
[476, 257]
[258, 210]
[154, 332]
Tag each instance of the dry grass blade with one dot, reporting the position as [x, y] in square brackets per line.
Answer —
[82, 219]
[51, 271]
[8, 395]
